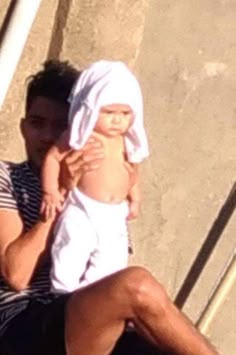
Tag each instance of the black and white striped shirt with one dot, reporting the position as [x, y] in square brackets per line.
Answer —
[20, 190]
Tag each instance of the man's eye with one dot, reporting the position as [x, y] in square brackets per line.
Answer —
[60, 127]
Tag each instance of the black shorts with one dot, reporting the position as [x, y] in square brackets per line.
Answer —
[39, 330]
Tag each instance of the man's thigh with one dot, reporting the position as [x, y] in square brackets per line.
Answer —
[131, 343]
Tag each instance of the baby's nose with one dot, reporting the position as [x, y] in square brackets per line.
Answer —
[116, 118]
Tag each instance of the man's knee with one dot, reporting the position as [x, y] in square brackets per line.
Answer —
[145, 291]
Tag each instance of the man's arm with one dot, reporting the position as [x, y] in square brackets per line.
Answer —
[20, 252]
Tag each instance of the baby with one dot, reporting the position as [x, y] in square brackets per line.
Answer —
[91, 238]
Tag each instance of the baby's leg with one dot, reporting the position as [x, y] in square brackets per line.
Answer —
[74, 241]
[111, 252]
[107, 259]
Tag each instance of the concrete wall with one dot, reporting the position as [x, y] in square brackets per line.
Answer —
[35, 52]
[183, 53]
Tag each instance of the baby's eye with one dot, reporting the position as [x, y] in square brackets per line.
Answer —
[127, 114]
[109, 112]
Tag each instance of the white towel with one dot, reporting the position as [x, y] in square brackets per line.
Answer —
[104, 83]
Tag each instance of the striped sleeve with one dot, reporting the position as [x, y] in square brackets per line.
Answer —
[7, 196]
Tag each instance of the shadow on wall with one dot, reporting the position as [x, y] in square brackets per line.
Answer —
[7, 19]
[207, 248]
[58, 28]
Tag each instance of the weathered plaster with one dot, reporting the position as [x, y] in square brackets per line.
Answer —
[184, 55]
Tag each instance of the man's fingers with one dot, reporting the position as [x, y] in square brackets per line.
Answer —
[42, 208]
[93, 155]
[91, 143]
[46, 213]
[85, 155]
[86, 162]
[129, 167]
[73, 156]
[89, 166]
[52, 212]
[77, 162]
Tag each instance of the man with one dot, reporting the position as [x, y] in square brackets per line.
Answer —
[89, 321]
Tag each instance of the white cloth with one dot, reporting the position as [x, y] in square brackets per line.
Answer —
[104, 83]
[91, 242]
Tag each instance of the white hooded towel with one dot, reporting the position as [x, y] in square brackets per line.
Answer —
[104, 83]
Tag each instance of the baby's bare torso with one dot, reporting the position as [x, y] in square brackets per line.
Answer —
[111, 182]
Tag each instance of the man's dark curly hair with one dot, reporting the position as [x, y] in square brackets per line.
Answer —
[54, 81]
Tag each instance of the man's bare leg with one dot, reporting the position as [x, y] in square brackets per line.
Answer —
[96, 316]
[165, 325]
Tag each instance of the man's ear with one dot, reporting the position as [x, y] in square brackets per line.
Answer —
[22, 127]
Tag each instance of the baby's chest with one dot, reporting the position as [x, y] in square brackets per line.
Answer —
[112, 173]
[115, 165]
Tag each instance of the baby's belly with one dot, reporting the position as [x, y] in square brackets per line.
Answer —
[106, 185]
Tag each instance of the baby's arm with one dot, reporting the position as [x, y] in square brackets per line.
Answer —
[52, 198]
[134, 192]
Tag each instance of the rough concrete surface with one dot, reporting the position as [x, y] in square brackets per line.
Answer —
[35, 52]
[95, 29]
[184, 55]
[3, 11]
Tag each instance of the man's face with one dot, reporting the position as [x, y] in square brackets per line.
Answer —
[45, 120]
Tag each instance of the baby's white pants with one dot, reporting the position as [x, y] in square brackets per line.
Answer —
[91, 242]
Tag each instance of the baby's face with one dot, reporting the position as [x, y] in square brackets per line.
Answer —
[114, 120]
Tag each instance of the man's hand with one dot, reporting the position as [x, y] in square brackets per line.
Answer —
[134, 208]
[77, 162]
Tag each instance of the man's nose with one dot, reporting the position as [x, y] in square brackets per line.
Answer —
[49, 135]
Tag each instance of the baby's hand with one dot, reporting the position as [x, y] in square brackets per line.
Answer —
[134, 207]
[51, 204]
